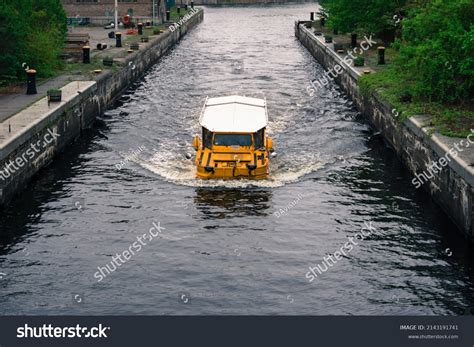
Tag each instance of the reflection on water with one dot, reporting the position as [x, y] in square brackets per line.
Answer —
[230, 203]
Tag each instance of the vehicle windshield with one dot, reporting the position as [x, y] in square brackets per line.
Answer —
[233, 139]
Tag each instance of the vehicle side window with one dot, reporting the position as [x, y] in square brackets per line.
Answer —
[259, 139]
[207, 138]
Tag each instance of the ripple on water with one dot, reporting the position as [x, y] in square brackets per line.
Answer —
[173, 167]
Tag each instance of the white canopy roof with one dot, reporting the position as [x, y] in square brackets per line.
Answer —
[234, 114]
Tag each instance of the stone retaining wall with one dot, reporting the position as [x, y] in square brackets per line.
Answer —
[452, 188]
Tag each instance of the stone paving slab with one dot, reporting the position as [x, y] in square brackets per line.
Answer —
[19, 124]
[13, 103]
[357, 70]
[100, 35]
[463, 162]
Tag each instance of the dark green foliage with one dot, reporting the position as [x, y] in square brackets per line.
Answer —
[359, 61]
[12, 31]
[363, 16]
[437, 51]
[32, 32]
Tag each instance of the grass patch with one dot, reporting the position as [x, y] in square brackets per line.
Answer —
[450, 120]
[86, 69]
[174, 16]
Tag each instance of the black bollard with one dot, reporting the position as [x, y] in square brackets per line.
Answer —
[353, 40]
[178, 9]
[322, 21]
[86, 55]
[381, 51]
[335, 31]
[118, 39]
[140, 28]
[311, 16]
[168, 14]
[186, 7]
[192, 5]
[31, 82]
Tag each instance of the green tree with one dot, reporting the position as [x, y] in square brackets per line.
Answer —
[364, 16]
[13, 30]
[46, 39]
[32, 32]
[437, 51]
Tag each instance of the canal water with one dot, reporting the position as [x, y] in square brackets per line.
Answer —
[231, 247]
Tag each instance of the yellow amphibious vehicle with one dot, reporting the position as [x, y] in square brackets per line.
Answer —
[234, 142]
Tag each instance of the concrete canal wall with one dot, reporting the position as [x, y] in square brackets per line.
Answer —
[452, 187]
[30, 139]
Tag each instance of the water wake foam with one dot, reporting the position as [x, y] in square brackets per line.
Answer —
[175, 168]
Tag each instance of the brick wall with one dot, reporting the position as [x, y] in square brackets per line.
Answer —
[105, 8]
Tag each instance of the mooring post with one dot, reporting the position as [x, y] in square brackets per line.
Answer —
[118, 39]
[353, 40]
[381, 51]
[31, 82]
[86, 55]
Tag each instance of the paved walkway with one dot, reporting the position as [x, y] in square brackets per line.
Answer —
[13, 103]
[26, 119]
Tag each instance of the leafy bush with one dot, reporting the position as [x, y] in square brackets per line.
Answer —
[12, 32]
[363, 16]
[32, 32]
[359, 61]
[437, 51]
